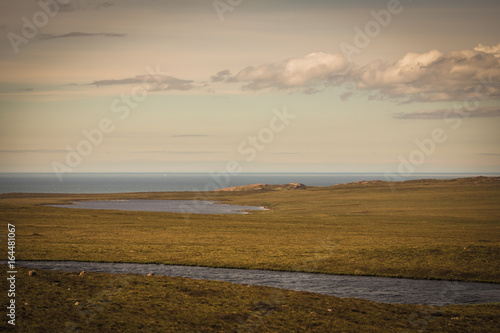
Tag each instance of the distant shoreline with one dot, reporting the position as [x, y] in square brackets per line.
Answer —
[479, 180]
[80, 183]
[299, 186]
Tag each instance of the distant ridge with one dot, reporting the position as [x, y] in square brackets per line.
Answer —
[362, 183]
[262, 186]
[479, 180]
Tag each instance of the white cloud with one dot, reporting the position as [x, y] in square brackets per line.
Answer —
[305, 72]
[488, 49]
[428, 76]
[434, 76]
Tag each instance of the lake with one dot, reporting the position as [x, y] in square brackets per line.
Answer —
[170, 206]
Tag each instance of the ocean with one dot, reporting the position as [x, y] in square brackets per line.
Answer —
[173, 182]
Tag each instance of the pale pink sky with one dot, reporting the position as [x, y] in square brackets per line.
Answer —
[367, 84]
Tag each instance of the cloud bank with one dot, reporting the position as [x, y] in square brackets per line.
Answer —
[430, 76]
[165, 82]
[303, 73]
[75, 5]
[434, 76]
[79, 34]
[221, 76]
[480, 112]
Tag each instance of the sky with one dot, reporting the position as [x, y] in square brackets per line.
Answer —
[397, 87]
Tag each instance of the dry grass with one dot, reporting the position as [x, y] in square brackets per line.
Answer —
[430, 229]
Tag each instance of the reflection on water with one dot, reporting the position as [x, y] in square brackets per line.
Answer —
[166, 206]
[378, 289]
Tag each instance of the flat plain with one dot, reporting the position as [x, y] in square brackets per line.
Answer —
[427, 229]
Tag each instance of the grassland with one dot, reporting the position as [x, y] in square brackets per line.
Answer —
[70, 302]
[419, 229]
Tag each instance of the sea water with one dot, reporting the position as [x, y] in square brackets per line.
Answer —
[173, 182]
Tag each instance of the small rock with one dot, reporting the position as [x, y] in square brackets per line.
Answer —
[76, 303]
[150, 274]
[32, 273]
[82, 273]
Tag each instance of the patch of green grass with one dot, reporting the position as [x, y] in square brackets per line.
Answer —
[418, 229]
[95, 302]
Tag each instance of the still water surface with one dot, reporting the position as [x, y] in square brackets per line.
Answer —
[169, 206]
[378, 289]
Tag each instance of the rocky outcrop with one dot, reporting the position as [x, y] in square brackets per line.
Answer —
[361, 182]
[253, 187]
[265, 187]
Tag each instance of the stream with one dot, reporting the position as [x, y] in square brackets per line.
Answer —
[377, 289]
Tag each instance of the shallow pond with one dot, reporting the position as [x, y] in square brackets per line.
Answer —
[378, 289]
[166, 206]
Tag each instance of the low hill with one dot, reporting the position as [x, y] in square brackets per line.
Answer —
[265, 187]
[362, 183]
